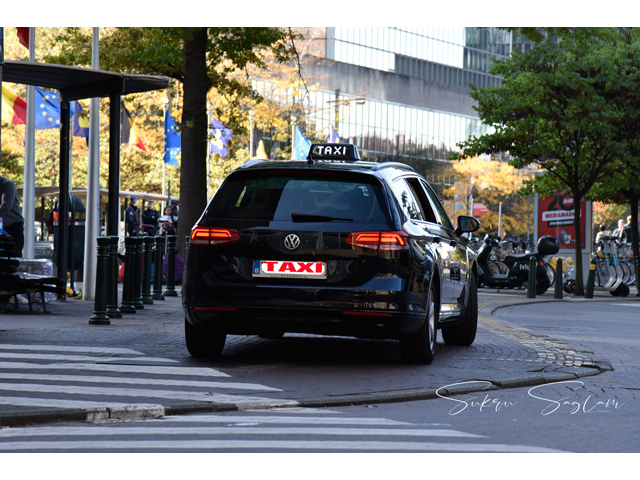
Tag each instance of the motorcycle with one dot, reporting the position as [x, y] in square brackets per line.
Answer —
[517, 274]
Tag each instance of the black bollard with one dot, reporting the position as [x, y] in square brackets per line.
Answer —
[100, 316]
[147, 260]
[157, 269]
[557, 294]
[170, 291]
[591, 280]
[531, 287]
[112, 299]
[127, 305]
[137, 276]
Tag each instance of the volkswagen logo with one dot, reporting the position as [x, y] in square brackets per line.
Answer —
[292, 241]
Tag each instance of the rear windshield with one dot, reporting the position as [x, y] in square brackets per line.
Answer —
[299, 198]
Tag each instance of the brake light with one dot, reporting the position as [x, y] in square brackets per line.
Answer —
[379, 240]
[213, 236]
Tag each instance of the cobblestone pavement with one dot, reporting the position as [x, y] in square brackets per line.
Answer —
[304, 370]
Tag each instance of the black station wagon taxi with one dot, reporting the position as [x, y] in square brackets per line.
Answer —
[332, 245]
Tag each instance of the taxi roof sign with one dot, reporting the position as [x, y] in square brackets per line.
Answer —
[333, 151]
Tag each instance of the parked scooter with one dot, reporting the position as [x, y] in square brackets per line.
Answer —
[518, 265]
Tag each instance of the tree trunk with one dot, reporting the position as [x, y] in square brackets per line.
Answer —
[193, 167]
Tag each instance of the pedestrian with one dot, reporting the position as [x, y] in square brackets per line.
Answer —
[602, 233]
[174, 212]
[132, 218]
[617, 233]
[150, 219]
[626, 232]
[11, 212]
[166, 225]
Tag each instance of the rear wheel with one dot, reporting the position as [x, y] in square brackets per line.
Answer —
[203, 342]
[420, 347]
[465, 334]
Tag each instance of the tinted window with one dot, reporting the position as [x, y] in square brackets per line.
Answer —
[278, 197]
[439, 210]
[408, 201]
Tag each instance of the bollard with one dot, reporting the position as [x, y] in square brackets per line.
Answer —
[112, 298]
[157, 269]
[170, 291]
[558, 285]
[147, 260]
[100, 316]
[137, 276]
[127, 305]
[591, 280]
[531, 287]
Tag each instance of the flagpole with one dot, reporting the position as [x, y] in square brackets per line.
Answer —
[29, 181]
[293, 137]
[165, 104]
[251, 115]
[93, 206]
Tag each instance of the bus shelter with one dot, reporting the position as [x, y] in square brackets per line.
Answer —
[76, 83]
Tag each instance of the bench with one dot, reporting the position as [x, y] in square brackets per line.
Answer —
[14, 282]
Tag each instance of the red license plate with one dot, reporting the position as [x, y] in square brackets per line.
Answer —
[289, 269]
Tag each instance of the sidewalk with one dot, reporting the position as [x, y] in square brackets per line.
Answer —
[155, 333]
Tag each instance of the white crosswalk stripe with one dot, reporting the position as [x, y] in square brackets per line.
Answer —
[86, 377]
[265, 432]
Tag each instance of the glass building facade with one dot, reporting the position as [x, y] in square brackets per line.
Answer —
[447, 57]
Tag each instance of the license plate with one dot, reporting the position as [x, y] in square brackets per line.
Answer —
[289, 269]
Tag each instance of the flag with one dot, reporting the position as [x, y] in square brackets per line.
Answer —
[333, 137]
[47, 109]
[129, 134]
[302, 146]
[220, 135]
[14, 108]
[80, 122]
[260, 153]
[172, 140]
[23, 36]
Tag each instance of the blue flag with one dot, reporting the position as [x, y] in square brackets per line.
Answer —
[172, 139]
[220, 135]
[302, 146]
[80, 123]
[333, 137]
[48, 109]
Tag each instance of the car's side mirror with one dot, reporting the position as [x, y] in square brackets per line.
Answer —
[467, 224]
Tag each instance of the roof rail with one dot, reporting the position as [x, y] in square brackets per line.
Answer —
[379, 166]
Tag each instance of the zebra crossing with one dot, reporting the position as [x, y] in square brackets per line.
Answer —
[278, 430]
[117, 379]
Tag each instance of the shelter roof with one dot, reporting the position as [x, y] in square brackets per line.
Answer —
[75, 83]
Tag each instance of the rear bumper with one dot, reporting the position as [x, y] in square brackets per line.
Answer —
[321, 321]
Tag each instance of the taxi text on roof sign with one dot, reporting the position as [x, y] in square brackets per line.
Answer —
[333, 151]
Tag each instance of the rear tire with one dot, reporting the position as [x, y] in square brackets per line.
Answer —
[464, 335]
[203, 342]
[420, 347]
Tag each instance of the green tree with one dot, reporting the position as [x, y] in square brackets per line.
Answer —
[553, 110]
[200, 59]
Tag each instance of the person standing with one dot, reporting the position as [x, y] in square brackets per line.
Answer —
[11, 212]
[617, 233]
[150, 219]
[132, 218]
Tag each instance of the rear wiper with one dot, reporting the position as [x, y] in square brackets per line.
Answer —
[304, 217]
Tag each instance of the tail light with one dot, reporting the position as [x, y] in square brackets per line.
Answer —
[379, 240]
[213, 236]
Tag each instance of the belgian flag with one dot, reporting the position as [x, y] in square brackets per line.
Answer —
[14, 108]
[129, 134]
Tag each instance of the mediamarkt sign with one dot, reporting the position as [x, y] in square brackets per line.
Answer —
[555, 218]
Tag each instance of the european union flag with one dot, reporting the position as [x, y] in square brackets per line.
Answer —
[48, 109]
[333, 137]
[172, 140]
[303, 145]
[220, 135]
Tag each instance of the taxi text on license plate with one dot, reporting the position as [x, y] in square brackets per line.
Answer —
[288, 269]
